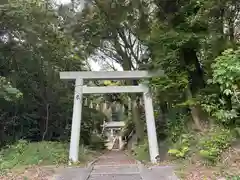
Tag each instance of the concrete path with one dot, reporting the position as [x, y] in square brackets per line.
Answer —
[118, 166]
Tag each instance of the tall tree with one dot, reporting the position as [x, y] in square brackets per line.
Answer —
[33, 49]
[106, 28]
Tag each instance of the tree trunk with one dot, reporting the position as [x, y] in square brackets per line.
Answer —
[137, 119]
[46, 123]
[163, 112]
[196, 117]
[127, 66]
[194, 111]
[2, 135]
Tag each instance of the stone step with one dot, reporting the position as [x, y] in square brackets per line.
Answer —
[115, 169]
[116, 177]
[73, 173]
[114, 165]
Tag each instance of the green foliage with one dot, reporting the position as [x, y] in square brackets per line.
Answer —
[179, 153]
[7, 91]
[181, 147]
[209, 145]
[128, 128]
[35, 49]
[141, 151]
[184, 38]
[214, 143]
[226, 73]
[234, 178]
[93, 122]
[176, 124]
[97, 142]
[24, 153]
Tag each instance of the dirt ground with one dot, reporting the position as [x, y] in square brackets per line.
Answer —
[31, 173]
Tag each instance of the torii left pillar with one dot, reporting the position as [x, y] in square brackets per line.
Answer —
[76, 121]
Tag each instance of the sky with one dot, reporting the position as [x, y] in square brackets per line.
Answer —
[63, 1]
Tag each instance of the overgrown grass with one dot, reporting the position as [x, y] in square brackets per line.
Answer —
[23, 154]
[208, 146]
[211, 154]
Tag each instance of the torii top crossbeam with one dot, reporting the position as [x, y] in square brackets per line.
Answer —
[109, 75]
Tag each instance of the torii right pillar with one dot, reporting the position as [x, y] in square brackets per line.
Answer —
[151, 127]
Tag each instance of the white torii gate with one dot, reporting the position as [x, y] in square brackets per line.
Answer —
[80, 89]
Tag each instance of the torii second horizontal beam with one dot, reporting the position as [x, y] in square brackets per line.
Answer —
[109, 75]
[113, 89]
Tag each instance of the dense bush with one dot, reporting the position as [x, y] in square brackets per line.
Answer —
[224, 106]
[97, 142]
[181, 147]
[176, 124]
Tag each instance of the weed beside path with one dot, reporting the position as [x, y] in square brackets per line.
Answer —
[194, 169]
[40, 160]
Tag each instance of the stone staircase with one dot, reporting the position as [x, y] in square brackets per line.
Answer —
[116, 144]
[116, 165]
